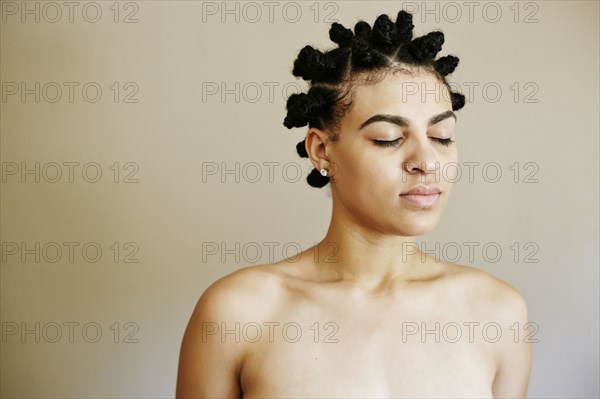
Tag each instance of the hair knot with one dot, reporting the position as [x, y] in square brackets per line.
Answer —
[404, 27]
[363, 31]
[301, 149]
[446, 65]
[341, 35]
[364, 57]
[316, 179]
[425, 48]
[384, 34]
[458, 100]
[309, 108]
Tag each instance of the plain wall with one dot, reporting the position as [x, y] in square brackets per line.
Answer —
[188, 92]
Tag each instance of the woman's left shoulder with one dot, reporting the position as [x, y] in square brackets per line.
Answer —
[497, 294]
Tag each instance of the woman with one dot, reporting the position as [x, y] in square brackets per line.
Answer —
[364, 313]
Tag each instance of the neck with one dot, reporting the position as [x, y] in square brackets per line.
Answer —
[365, 258]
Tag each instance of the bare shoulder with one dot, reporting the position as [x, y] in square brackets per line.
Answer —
[497, 303]
[241, 294]
[212, 334]
[497, 297]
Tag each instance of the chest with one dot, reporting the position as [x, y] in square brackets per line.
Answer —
[367, 357]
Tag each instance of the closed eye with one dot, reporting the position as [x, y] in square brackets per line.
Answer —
[392, 143]
[383, 143]
[445, 142]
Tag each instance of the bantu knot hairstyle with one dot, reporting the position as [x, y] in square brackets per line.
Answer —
[388, 44]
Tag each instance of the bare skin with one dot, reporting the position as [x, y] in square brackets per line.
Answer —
[363, 314]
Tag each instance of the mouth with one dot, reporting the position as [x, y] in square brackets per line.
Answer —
[421, 200]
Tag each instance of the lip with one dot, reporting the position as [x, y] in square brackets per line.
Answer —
[422, 196]
[422, 189]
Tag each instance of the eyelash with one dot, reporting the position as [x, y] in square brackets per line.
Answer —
[383, 143]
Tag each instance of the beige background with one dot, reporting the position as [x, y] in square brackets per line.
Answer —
[171, 134]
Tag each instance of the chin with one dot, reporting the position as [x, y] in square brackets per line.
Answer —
[416, 226]
[415, 231]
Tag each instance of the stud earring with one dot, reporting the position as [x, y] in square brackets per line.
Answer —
[324, 172]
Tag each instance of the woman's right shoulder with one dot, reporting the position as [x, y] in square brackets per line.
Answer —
[243, 292]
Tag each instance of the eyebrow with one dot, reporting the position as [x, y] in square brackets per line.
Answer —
[402, 121]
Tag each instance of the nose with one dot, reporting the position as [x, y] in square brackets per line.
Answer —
[420, 157]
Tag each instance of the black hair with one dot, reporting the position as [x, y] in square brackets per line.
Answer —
[362, 56]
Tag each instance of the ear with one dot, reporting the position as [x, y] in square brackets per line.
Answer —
[316, 142]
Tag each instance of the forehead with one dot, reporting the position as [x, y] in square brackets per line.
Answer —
[416, 97]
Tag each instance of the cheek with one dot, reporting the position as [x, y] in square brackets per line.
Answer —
[356, 172]
[362, 173]
[450, 171]
[380, 176]
[350, 162]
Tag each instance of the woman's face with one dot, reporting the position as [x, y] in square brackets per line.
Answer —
[414, 114]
